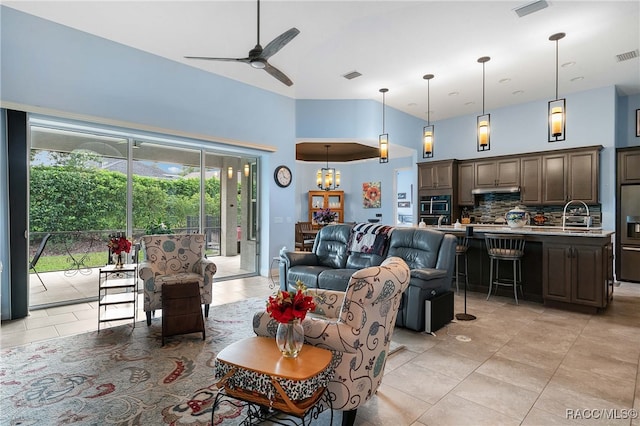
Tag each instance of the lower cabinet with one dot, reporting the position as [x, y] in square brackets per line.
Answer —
[577, 273]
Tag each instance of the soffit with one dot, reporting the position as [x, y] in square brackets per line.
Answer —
[338, 152]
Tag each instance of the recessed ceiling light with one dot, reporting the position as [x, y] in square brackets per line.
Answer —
[504, 80]
[568, 64]
[412, 104]
[469, 103]
[577, 78]
[454, 93]
[517, 92]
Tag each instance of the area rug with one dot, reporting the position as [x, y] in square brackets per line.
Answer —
[123, 375]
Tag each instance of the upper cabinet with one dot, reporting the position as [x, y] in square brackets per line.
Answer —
[497, 173]
[531, 180]
[629, 166]
[571, 176]
[465, 183]
[435, 175]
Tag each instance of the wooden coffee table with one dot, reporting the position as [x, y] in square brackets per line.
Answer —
[254, 371]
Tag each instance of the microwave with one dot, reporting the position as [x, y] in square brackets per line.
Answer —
[435, 204]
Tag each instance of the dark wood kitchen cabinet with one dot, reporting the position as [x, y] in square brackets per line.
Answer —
[577, 273]
[570, 175]
[436, 175]
[629, 167]
[497, 173]
[465, 183]
[531, 180]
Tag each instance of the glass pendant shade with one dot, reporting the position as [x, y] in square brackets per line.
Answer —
[557, 110]
[383, 144]
[383, 139]
[484, 132]
[483, 128]
[427, 141]
[230, 172]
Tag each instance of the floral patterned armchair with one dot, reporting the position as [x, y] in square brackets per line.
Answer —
[172, 259]
[356, 325]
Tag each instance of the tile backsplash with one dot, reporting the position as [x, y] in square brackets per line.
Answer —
[490, 207]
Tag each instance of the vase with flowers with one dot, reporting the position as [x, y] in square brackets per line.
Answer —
[289, 309]
[118, 245]
[324, 216]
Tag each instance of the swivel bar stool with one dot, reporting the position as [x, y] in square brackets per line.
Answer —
[509, 247]
[461, 251]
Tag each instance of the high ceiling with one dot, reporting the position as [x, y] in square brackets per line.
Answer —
[391, 43]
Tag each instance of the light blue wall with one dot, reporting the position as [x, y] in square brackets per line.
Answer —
[626, 121]
[51, 66]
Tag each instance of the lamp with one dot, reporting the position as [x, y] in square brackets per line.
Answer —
[484, 120]
[558, 107]
[428, 130]
[328, 178]
[383, 139]
[246, 170]
[230, 172]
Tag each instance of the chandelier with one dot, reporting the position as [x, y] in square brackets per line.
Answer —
[328, 178]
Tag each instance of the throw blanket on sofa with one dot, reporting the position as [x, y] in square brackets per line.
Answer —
[369, 238]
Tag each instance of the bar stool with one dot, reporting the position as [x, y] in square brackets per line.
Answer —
[461, 252]
[507, 247]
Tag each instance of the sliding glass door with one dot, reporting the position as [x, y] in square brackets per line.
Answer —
[87, 183]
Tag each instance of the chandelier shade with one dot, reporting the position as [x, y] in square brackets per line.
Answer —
[328, 178]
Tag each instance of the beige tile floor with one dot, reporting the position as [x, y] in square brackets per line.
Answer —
[513, 365]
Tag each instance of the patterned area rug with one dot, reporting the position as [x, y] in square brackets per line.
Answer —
[123, 375]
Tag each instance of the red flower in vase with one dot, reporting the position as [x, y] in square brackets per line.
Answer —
[286, 306]
[119, 245]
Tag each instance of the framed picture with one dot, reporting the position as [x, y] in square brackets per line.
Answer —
[403, 204]
[371, 195]
[402, 195]
[638, 123]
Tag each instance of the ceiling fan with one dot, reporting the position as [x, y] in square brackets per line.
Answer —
[258, 57]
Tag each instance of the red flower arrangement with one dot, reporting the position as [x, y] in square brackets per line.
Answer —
[119, 245]
[286, 306]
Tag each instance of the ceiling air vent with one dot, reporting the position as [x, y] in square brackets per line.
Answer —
[530, 7]
[351, 75]
[627, 55]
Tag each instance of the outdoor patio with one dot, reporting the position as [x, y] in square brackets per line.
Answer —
[80, 285]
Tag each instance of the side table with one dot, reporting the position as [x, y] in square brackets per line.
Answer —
[117, 286]
[181, 309]
[254, 371]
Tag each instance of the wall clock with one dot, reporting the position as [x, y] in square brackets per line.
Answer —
[282, 176]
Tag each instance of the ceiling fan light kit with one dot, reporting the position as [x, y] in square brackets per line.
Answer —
[258, 57]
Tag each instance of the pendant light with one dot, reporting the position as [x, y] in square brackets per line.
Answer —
[328, 178]
[428, 130]
[484, 120]
[383, 139]
[558, 107]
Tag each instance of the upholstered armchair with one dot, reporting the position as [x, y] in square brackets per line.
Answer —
[172, 259]
[356, 325]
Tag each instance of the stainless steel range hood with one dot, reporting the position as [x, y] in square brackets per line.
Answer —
[496, 190]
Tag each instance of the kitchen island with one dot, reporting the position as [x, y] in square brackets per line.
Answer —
[569, 268]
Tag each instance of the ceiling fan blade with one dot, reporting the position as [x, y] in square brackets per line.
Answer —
[275, 72]
[279, 42]
[207, 58]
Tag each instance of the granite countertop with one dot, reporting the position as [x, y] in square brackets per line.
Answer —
[529, 230]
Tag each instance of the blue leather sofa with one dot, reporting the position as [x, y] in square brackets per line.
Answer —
[430, 255]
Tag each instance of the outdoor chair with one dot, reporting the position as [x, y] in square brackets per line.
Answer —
[171, 259]
[36, 257]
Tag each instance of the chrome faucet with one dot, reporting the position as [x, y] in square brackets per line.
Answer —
[564, 213]
[440, 219]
